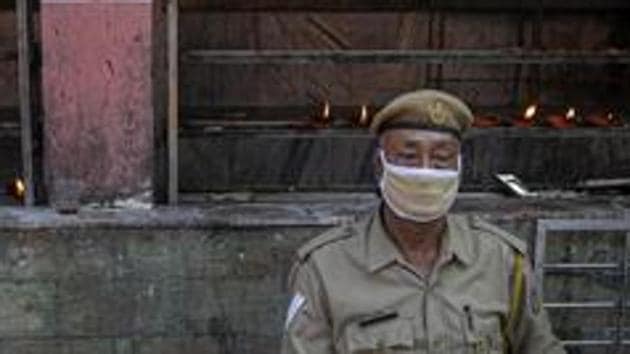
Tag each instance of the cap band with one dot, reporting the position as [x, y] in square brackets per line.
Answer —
[417, 125]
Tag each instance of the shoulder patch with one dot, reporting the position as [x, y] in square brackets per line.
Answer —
[296, 305]
[333, 235]
[513, 241]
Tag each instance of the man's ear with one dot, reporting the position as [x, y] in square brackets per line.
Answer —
[378, 171]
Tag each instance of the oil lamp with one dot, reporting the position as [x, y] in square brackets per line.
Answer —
[16, 188]
[568, 120]
[487, 121]
[528, 118]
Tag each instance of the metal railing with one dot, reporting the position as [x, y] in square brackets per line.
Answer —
[620, 304]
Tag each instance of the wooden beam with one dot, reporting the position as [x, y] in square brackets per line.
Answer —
[477, 56]
[160, 101]
[23, 11]
[341, 160]
[404, 5]
[173, 103]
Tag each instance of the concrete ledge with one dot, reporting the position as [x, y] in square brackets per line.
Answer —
[287, 210]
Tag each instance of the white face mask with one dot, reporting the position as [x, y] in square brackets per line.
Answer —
[418, 194]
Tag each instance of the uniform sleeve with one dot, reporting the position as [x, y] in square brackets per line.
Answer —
[532, 333]
[307, 328]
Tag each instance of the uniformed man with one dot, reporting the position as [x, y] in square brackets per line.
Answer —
[410, 278]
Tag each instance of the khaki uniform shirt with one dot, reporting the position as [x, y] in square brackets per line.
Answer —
[353, 292]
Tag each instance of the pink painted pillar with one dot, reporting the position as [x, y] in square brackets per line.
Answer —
[97, 89]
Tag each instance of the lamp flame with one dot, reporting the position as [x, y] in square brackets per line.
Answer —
[17, 189]
[530, 112]
[570, 113]
[364, 115]
[326, 111]
[610, 116]
[20, 187]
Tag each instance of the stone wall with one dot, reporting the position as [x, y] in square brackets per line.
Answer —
[145, 291]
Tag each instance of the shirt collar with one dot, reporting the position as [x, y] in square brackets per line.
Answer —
[380, 249]
[458, 239]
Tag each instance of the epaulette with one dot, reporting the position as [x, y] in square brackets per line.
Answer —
[333, 235]
[513, 241]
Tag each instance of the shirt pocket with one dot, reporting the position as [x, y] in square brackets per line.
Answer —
[391, 336]
[484, 334]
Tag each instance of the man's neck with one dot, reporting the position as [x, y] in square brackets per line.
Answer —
[419, 242]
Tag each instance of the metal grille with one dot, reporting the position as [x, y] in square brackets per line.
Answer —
[249, 82]
[618, 304]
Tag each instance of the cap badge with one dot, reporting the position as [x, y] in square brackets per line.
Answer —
[438, 113]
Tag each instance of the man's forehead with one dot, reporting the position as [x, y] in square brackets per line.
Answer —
[419, 135]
